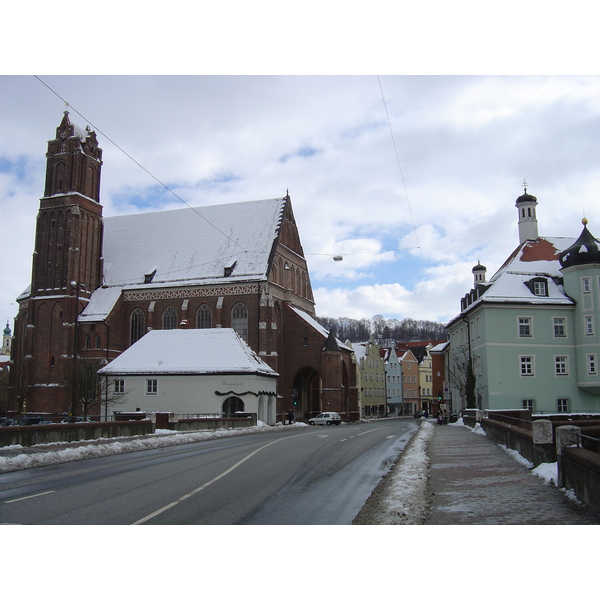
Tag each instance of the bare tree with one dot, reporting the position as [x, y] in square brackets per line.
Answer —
[88, 388]
[24, 382]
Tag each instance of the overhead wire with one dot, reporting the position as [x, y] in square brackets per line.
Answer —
[138, 164]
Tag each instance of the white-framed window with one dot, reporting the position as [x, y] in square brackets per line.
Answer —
[560, 326]
[524, 326]
[119, 387]
[585, 285]
[539, 288]
[562, 405]
[588, 324]
[527, 364]
[528, 404]
[151, 387]
[592, 362]
[561, 365]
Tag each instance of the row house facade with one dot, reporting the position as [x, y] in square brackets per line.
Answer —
[370, 378]
[393, 381]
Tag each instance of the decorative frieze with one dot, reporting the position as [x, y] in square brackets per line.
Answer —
[170, 294]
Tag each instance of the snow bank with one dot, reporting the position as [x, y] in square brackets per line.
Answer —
[401, 498]
[107, 447]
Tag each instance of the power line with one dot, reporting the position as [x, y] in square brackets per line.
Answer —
[138, 164]
[398, 160]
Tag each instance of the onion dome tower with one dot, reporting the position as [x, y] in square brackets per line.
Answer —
[585, 251]
[479, 272]
[528, 225]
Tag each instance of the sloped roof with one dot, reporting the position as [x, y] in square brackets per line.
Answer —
[191, 245]
[189, 352]
[530, 260]
[186, 247]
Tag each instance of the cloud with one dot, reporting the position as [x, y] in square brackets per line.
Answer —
[411, 204]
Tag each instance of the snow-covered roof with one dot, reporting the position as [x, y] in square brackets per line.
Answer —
[512, 283]
[360, 350]
[189, 352]
[189, 246]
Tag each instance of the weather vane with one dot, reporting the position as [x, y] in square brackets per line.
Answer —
[525, 185]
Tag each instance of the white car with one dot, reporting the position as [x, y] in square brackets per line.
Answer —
[326, 418]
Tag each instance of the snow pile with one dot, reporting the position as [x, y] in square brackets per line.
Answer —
[516, 456]
[401, 498]
[548, 472]
[107, 447]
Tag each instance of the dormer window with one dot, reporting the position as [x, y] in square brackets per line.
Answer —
[148, 277]
[539, 288]
[228, 270]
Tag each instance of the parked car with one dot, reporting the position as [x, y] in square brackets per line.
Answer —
[33, 420]
[76, 420]
[326, 418]
[419, 414]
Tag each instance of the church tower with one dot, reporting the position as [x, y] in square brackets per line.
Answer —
[67, 267]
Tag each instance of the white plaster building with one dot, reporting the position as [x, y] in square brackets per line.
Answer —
[193, 371]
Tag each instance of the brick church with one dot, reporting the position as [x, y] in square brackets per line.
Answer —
[99, 284]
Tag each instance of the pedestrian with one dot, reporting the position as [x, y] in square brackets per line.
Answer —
[290, 417]
[283, 418]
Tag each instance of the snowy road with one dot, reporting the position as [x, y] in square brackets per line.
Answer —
[296, 476]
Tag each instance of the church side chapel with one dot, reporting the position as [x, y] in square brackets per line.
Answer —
[99, 285]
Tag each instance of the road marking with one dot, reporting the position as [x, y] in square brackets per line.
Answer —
[387, 437]
[370, 431]
[204, 486]
[27, 497]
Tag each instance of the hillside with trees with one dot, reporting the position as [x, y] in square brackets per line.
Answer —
[389, 331]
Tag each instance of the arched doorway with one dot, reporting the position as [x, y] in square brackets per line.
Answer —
[306, 393]
[232, 405]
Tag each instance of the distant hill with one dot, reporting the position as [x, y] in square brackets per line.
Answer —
[389, 330]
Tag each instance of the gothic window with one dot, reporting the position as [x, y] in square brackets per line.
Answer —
[169, 318]
[88, 342]
[204, 318]
[239, 320]
[98, 342]
[136, 329]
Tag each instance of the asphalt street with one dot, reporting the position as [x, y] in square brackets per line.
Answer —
[319, 475]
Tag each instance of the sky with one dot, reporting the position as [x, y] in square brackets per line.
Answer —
[411, 177]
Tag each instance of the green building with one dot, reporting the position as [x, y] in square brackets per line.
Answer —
[528, 338]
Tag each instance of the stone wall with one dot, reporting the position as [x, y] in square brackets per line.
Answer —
[67, 432]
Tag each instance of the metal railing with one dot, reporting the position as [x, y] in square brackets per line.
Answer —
[522, 423]
[591, 441]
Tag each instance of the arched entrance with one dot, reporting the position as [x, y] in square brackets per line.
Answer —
[232, 405]
[306, 393]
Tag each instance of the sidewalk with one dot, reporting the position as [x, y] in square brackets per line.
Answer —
[473, 481]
